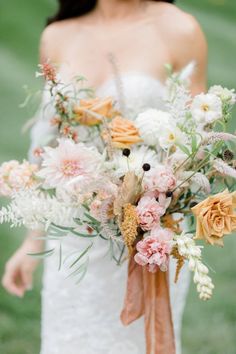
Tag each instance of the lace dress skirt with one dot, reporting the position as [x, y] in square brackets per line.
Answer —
[83, 318]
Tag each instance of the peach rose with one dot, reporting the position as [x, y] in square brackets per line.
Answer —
[86, 111]
[123, 133]
[216, 217]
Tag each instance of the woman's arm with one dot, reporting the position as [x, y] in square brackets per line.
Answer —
[18, 275]
[191, 45]
[186, 43]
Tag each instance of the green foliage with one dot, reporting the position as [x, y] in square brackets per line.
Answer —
[209, 328]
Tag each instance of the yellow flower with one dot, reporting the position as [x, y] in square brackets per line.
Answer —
[123, 133]
[216, 217]
[88, 112]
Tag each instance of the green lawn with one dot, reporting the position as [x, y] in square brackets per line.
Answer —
[209, 328]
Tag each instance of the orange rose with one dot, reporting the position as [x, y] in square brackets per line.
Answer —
[123, 133]
[216, 217]
[90, 111]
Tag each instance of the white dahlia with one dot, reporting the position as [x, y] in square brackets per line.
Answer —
[138, 156]
[224, 94]
[69, 163]
[150, 123]
[206, 108]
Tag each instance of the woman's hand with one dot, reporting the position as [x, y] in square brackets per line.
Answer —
[18, 275]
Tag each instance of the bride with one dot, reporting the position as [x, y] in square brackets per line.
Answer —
[105, 40]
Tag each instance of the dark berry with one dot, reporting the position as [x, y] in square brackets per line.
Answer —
[146, 167]
[228, 155]
[169, 194]
[126, 152]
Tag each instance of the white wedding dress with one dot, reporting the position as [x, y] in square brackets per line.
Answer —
[84, 318]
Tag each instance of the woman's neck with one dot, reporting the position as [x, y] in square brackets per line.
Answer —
[110, 10]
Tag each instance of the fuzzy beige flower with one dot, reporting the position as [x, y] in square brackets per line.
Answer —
[216, 217]
[129, 226]
[123, 133]
[88, 112]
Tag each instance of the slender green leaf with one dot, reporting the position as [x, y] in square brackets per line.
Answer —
[60, 257]
[95, 221]
[78, 270]
[42, 254]
[83, 271]
[184, 149]
[194, 143]
[83, 235]
[81, 255]
[65, 228]
[78, 221]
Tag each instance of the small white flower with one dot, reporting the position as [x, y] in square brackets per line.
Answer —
[150, 124]
[206, 108]
[224, 94]
[138, 156]
[170, 135]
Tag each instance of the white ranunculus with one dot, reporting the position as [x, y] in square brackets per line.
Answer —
[150, 123]
[206, 108]
[224, 94]
[139, 155]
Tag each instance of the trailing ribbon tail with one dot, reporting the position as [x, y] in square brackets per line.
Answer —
[148, 294]
[134, 299]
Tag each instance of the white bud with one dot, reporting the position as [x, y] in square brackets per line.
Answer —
[197, 278]
[211, 285]
[196, 252]
[192, 264]
[202, 268]
[183, 251]
[199, 288]
[190, 242]
[180, 242]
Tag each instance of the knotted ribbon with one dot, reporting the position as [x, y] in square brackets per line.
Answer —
[148, 294]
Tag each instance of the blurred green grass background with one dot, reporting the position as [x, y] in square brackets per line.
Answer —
[209, 328]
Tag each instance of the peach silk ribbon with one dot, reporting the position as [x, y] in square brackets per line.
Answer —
[148, 294]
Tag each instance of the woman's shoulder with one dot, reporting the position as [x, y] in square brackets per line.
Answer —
[179, 28]
[58, 29]
[174, 20]
[55, 36]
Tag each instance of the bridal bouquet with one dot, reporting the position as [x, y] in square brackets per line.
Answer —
[149, 187]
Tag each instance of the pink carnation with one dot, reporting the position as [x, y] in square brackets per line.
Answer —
[149, 212]
[161, 179]
[154, 250]
[22, 176]
[15, 176]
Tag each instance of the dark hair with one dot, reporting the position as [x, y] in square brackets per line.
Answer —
[75, 8]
